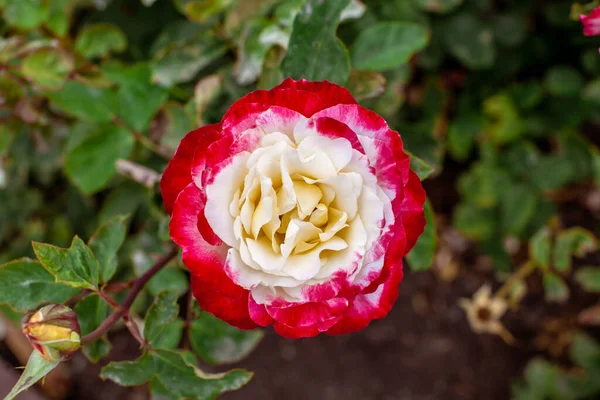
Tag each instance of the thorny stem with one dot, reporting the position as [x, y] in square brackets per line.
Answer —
[111, 302]
[123, 309]
[523, 272]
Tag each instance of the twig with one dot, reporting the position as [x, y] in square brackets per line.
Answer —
[523, 272]
[111, 302]
[124, 308]
[117, 287]
[134, 330]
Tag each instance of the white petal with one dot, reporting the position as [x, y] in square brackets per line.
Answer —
[339, 151]
[308, 196]
[306, 266]
[347, 188]
[219, 195]
[262, 253]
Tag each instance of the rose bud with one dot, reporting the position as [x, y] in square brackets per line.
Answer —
[53, 331]
[295, 211]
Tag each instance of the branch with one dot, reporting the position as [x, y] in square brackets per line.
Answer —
[124, 308]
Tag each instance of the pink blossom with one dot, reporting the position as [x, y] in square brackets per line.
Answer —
[591, 23]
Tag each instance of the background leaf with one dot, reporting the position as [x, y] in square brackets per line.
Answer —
[420, 258]
[98, 40]
[48, 67]
[105, 243]
[589, 279]
[314, 51]
[91, 312]
[387, 45]
[217, 342]
[90, 163]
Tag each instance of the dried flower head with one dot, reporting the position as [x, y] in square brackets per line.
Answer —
[484, 312]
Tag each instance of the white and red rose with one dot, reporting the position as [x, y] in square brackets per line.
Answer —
[295, 211]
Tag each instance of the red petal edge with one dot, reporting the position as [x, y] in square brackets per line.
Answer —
[178, 173]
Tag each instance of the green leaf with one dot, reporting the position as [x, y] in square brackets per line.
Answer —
[518, 203]
[510, 29]
[462, 133]
[474, 222]
[59, 15]
[170, 336]
[572, 242]
[551, 172]
[11, 90]
[138, 99]
[540, 247]
[504, 123]
[24, 284]
[170, 279]
[99, 40]
[596, 166]
[314, 51]
[91, 163]
[125, 199]
[388, 45]
[185, 380]
[181, 63]
[91, 312]
[25, 14]
[366, 84]
[163, 310]
[420, 258]
[217, 342]
[47, 67]
[483, 184]
[256, 40]
[176, 124]
[589, 279]
[176, 374]
[585, 352]
[541, 380]
[130, 373]
[470, 40]
[563, 81]
[35, 370]
[556, 289]
[159, 392]
[421, 168]
[201, 10]
[105, 243]
[84, 102]
[75, 266]
[527, 95]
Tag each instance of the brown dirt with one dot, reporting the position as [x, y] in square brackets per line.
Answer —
[423, 350]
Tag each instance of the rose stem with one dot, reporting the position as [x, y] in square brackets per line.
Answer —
[523, 272]
[135, 290]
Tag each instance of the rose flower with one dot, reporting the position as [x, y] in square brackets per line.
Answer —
[295, 211]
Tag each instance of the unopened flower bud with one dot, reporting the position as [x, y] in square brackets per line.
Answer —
[53, 331]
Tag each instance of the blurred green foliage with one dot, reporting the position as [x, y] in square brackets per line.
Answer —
[503, 93]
